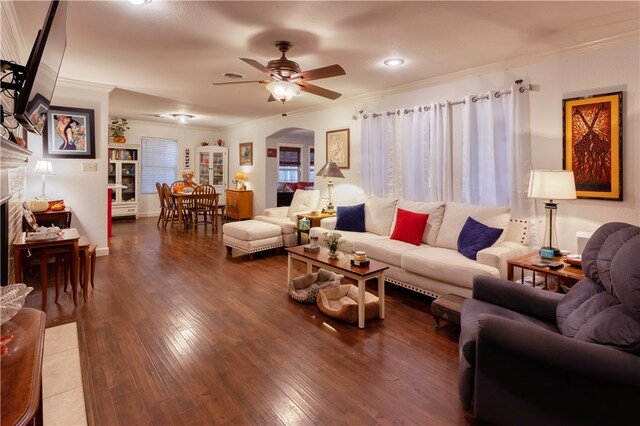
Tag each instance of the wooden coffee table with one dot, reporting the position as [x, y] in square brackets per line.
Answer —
[342, 265]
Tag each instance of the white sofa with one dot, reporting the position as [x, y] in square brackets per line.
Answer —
[435, 267]
[303, 201]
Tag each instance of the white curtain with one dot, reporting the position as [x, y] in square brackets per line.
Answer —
[496, 151]
[408, 154]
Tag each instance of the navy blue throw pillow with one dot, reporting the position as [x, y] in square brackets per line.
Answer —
[351, 218]
[476, 236]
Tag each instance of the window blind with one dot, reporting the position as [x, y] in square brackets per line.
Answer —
[159, 162]
[289, 156]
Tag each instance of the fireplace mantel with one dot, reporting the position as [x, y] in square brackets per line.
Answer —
[11, 155]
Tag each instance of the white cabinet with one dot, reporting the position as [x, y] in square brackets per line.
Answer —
[124, 169]
[212, 165]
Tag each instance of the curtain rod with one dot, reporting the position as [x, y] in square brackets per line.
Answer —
[474, 98]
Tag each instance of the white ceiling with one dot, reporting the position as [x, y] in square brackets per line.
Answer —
[163, 56]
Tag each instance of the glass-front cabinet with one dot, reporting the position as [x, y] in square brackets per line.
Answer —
[124, 179]
[212, 168]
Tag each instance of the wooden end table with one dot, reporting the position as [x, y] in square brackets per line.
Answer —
[568, 275]
[342, 265]
[315, 222]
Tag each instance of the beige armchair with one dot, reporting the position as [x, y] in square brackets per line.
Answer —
[287, 217]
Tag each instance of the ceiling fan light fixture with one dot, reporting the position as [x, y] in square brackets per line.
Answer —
[283, 90]
[394, 62]
[139, 2]
[182, 118]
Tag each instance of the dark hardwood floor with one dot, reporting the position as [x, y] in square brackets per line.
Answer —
[175, 332]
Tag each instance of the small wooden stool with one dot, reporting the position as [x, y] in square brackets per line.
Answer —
[448, 306]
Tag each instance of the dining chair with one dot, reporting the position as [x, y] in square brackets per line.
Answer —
[162, 206]
[203, 204]
[170, 207]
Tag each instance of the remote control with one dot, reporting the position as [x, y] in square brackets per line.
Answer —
[555, 265]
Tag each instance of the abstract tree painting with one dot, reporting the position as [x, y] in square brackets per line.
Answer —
[592, 144]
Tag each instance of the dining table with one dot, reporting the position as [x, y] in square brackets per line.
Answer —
[182, 198]
[66, 241]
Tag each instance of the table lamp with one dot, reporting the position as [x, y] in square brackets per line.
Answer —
[552, 185]
[328, 171]
[239, 181]
[44, 168]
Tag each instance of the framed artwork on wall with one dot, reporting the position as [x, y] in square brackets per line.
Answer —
[592, 144]
[338, 147]
[246, 154]
[272, 152]
[69, 133]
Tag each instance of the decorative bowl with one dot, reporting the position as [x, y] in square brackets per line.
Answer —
[573, 259]
[11, 300]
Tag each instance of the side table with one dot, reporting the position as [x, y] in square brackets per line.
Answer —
[315, 222]
[568, 275]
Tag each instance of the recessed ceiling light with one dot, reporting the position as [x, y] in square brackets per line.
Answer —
[233, 75]
[394, 62]
[139, 2]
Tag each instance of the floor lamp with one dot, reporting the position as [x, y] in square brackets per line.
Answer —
[44, 168]
[552, 185]
[329, 171]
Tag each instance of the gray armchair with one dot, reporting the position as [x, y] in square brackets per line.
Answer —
[529, 356]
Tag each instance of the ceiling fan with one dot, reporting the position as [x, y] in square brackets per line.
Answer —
[287, 80]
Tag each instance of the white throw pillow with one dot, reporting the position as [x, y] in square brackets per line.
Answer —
[519, 230]
[456, 214]
[435, 210]
[378, 214]
[303, 201]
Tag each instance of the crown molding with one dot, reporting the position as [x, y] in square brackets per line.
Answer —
[13, 45]
[85, 84]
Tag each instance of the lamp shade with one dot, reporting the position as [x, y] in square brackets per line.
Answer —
[552, 185]
[330, 170]
[240, 176]
[43, 167]
[283, 90]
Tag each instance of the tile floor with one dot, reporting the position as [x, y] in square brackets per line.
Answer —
[62, 392]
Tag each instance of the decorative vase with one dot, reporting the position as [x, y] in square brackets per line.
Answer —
[119, 139]
[333, 254]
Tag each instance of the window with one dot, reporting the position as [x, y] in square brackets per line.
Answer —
[159, 162]
[289, 166]
[312, 165]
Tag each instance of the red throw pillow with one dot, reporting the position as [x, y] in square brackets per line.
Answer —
[409, 227]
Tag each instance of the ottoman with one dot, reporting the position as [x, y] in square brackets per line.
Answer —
[251, 236]
[448, 306]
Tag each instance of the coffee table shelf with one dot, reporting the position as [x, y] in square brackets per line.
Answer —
[342, 265]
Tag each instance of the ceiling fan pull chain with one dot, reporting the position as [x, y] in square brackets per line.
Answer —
[284, 113]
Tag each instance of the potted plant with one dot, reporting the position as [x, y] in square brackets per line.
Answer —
[117, 129]
[332, 239]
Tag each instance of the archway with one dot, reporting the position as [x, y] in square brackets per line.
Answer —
[292, 138]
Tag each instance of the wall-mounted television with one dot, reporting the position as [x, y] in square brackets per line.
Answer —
[37, 81]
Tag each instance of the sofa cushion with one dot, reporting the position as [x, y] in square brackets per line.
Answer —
[625, 275]
[580, 293]
[409, 226]
[378, 214]
[302, 202]
[384, 249]
[456, 214]
[519, 231]
[587, 310]
[435, 210]
[476, 236]
[444, 265]
[350, 240]
[350, 218]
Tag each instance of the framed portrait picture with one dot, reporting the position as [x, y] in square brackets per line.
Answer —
[592, 144]
[246, 154]
[338, 148]
[69, 133]
[272, 152]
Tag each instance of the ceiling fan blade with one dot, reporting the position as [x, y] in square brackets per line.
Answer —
[242, 82]
[320, 91]
[271, 98]
[257, 65]
[318, 73]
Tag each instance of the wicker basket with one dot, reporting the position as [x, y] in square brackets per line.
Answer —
[305, 288]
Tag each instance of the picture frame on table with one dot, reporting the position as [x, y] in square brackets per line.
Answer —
[592, 144]
[246, 154]
[69, 133]
[338, 147]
